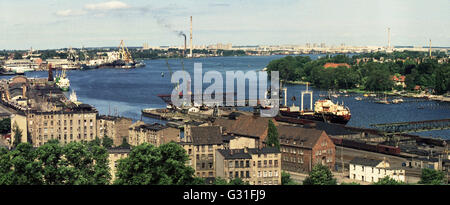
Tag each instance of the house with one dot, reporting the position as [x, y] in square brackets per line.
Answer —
[372, 170]
[399, 81]
[302, 148]
[255, 166]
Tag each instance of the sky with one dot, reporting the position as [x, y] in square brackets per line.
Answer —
[48, 24]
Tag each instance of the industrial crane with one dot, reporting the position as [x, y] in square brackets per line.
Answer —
[124, 53]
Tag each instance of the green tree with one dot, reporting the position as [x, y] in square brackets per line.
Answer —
[5, 126]
[24, 169]
[147, 164]
[125, 144]
[286, 179]
[51, 156]
[320, 175]
[220, 181]
[388, 181]
[107, 142]
[272, 136]
[431, 176]
[238, 181]
[17, 132]
[85, 164]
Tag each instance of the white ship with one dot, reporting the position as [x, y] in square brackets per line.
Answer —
[62, 81]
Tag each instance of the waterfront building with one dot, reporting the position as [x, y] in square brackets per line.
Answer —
[155, 134]
[255, 166]
[201, 145]
[114, 127]
[372, 170]
[302, 148]
[114, 155]
[399, 81]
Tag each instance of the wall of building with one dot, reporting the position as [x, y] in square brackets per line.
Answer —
[21, 122]
[65, 127]
[324, 152]
[113, 158]
[242, 142]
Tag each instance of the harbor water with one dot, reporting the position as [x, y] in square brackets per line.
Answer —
[125, 92]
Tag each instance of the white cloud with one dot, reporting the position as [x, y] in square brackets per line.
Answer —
[110, 5]
[69, 12]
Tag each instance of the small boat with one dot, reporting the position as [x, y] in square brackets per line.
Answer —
[366, 95]
[358, 98]
[383, 101]
[162, 74]
[397, 100]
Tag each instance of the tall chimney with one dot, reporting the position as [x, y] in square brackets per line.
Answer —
[389, 38]
[191, 39]
[430, 48]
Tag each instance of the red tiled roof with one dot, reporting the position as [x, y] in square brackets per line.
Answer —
[335, 65]
[400, 79]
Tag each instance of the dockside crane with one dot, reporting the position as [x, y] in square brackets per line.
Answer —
[124, 53]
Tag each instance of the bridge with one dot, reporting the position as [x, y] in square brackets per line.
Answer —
[417, 126]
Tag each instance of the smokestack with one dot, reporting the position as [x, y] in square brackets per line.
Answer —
[190, 53]
[389, 38]
[430, 48]
[50, 73]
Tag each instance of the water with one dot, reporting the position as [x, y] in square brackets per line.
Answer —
[127, 92]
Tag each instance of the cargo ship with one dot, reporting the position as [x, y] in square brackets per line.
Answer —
[324, 110]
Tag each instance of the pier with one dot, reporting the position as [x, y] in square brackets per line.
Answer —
[417, 126]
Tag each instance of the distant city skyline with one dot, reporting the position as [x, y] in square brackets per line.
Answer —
[48, 24]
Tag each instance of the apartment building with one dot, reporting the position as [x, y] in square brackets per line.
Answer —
[114, 155]
[114, 127]
[255, 166]
[155, 134]
[201, 146]
[71, 125]
[302, 148]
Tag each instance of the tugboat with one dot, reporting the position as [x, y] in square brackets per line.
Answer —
[324, 110]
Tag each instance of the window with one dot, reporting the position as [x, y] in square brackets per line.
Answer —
[236, 164]
[230, 164]
[236, 174]
[210, 148]
[247, 163]
[241, 164]
[265, 163]
[276, 163]
[259, 164]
